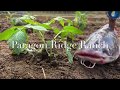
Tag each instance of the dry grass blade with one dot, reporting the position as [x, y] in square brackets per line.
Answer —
[44, 73]
[31, 75]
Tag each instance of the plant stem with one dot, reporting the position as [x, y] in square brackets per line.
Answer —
[57, 35]
[43, 39]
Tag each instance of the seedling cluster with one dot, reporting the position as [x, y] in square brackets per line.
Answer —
[17, 33]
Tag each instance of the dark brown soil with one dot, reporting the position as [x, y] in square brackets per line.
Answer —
[22, 67]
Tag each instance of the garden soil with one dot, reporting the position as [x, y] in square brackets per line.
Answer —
[41, 67]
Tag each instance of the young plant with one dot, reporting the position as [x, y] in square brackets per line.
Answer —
[61, 20]
[18, 21]
[16, 42]
[15, 37]
[70, 31]
[17, 33]
[80, 20]
[9, 15]
[40, 30]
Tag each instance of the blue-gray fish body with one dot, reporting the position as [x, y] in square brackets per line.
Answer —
[101, 47]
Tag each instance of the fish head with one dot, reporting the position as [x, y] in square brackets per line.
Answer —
[101, 47]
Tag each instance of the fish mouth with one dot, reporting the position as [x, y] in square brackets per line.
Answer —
[90, 55]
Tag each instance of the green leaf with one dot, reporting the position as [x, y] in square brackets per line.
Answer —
[21, 20]
[62, 22]
[32, 22]
[9, 32]
[46, 26]
[59, 18]
[28, 21]
[69, 55]
[16, 41]
[17, 21]
[72, 30]
[56, 31]
[50, 22]
[64, 34]
[40, 28]
[27, 17]
[69, 22]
